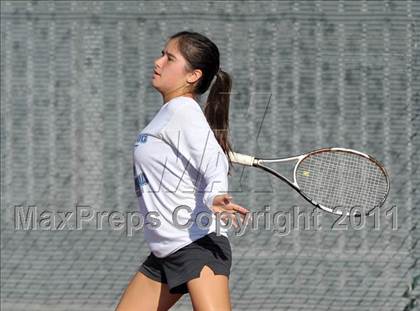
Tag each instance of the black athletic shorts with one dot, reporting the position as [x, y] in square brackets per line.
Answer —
[186, 263]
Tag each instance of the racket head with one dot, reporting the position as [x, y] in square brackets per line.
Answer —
[342, 181]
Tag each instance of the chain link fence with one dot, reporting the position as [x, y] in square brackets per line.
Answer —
[75, 92]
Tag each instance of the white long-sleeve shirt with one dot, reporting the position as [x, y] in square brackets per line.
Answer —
[179, 167]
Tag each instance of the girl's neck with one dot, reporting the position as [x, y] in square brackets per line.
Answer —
[169, 97]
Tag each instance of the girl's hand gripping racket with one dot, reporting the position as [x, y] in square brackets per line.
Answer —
[337, 180]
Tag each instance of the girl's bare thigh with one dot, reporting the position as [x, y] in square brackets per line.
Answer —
[143, 293]
[210, 292]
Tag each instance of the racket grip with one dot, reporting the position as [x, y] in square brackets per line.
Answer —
[242, 159]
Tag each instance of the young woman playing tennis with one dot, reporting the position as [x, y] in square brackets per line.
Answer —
[180, 170]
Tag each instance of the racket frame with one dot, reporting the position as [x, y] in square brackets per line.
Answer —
[259, 162]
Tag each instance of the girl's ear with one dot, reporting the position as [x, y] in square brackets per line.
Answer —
[194, 76]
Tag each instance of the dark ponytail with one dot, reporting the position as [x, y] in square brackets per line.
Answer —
[201, 53]
[217, 109]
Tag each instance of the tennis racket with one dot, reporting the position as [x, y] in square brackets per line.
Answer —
[337, 180]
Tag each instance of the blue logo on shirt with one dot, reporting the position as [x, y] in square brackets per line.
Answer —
[142, 179]
[139, 181]
[141, 139]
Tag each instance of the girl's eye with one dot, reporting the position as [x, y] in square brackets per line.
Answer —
[163, 54]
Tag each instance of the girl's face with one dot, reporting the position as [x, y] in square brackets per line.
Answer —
[170, 76]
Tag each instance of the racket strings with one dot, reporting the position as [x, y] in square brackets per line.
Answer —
[340, 179]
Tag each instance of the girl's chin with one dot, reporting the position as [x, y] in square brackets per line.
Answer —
[155, 87]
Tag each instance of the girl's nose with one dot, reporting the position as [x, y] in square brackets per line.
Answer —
[158, 62]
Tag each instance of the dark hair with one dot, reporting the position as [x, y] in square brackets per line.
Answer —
[201, 53]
